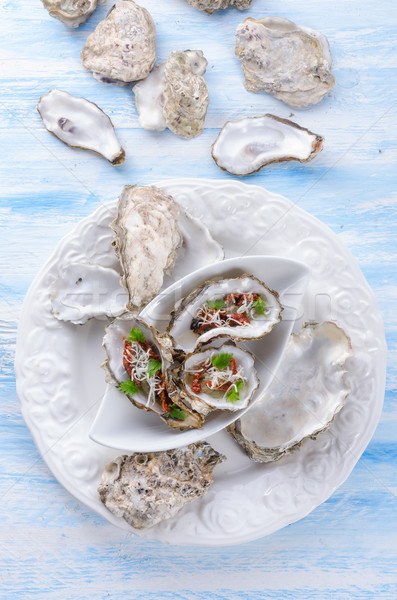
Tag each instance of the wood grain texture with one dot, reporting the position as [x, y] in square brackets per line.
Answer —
[52, 546]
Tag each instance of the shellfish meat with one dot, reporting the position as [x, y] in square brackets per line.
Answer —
[80, 123]
[245, 146]
[241, 308]
[147, 237]
[209, 6]
[174, 95]
[137, 359]
[122, 48]
[221, 378]
[309, 389]
[71, 12]
[146, 488]
[284, 59]
[83, 291]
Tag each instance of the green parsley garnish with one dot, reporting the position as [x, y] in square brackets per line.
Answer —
[221, 361]
[176, 412]
[217, 304]
[233, 395]
[136, 335]
[129, 387]
[154, 365]
[258, 306]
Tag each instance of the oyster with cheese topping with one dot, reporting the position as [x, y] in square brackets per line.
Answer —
[242, 308]
[174, 95]
[122, 48]
[286, 60]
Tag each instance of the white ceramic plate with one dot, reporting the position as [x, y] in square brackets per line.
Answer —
[60, 385]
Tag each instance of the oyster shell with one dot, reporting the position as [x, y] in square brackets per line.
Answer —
[244, 147]
[309, 389]
[123, 46]
[71, 12]
[201, 310]
[80, 123]
[83, 291]
[174, 95]
[209, 6]
[146, 488]
[284, 59]
[147, 237]
[149, 394]
[232, 395]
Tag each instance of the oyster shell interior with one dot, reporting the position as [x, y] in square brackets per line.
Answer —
[239, 308]
[174, 95]
[80, 123]
[71, 12]
[145, 489]
[122, 48]
[309, 389]
[286, 60]
[245, 146]
[222, 378]
[209, 6]
[83, 291]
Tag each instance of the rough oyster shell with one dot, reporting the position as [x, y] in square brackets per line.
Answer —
[146, 488]
[203, 402]
[244, 147]
[309, 389]
[83, 291]
[80, 123]
[123, 46]
[284, 59]
[181, 319]
[71, 12]
[174, 95]
[147, 237]
[209, 6]
[113, 344]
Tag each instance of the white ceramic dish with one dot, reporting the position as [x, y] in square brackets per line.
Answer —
[60, 386]
[120, 425]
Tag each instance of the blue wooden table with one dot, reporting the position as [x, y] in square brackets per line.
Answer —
[51, 545]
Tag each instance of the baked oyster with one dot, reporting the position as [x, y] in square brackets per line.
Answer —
[244, 147]
[137, 360]
[209, 6]
[174, 95]
[83, 291]
[222, 378]
[242, 308]
[286, 60]
[146, 240]
[80, 123]
[146, 488]
[309, 389]
[71, 12]
[122, 48]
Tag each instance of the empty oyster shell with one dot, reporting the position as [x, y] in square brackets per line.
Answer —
[244, 147]
[71, 12]
[147, 237]
[174, 95]
[209, 6]
[80, 123]
[145, 489]
[309, 389]
[284, 59]
[225, 308]
[130, 362]
[221, 378]
[123, 46]
[83, 291]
